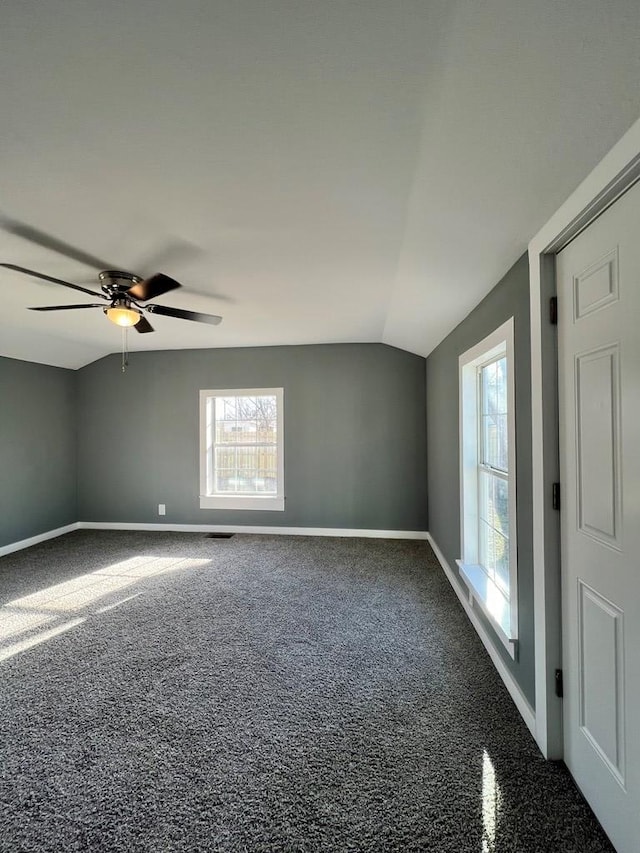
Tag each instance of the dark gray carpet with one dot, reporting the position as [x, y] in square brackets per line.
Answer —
[260, 694]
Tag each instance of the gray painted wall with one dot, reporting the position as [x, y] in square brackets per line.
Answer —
[510, 298]
[37, 449]
[354, 434]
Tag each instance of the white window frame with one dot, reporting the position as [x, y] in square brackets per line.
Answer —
[241, 501]
[501, 610]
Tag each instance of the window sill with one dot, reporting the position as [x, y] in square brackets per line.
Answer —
[251, 502]
[484, 593]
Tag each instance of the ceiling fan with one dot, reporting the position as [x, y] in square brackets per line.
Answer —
[124, 292]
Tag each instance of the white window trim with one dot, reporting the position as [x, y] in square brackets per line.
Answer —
[235, 501]
[482, 589]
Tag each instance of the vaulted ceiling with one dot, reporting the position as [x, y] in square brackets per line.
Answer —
[313, 170]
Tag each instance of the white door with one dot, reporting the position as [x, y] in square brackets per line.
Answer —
[598, 279]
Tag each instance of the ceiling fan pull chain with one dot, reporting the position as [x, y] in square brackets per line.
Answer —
[125, 350]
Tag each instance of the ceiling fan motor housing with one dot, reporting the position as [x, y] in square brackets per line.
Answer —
[117, 281]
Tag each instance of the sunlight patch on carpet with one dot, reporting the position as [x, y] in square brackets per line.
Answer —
[491, 797]
[31, 616]
[35, 640]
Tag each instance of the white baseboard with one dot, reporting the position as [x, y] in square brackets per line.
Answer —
[213, 528]
[34, 540]
[521, 702]
[242, 528]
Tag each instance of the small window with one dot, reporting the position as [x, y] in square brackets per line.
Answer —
[241, 449]
[487, 481]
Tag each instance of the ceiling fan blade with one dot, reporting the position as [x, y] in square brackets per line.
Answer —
[12, 226]
[54, 280]
[210, 294]
[143, 326]
[176, 253]
[154, 286]
[213, 319]
[65, 307]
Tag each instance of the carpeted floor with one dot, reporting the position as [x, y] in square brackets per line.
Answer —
[170, 692]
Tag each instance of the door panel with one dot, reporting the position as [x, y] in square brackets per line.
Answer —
[601, 676]
[597, 286]
[598, 280]
[598, 443]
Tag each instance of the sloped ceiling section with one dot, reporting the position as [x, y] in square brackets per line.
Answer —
[313, 171]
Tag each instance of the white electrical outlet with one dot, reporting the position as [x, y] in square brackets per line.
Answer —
[162, 509]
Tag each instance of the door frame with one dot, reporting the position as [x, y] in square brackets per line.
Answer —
[615, 174]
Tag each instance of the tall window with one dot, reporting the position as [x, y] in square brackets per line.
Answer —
[493, 472]
[241, 449]
[487, 478]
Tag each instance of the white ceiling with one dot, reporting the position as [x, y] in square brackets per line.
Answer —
[321, 170]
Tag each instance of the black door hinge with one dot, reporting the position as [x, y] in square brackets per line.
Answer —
[555, 496]
[559, 686]
[553, 310]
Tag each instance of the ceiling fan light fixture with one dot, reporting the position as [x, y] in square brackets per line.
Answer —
[121, 315]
